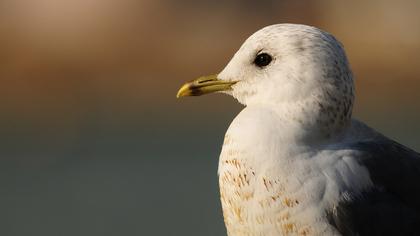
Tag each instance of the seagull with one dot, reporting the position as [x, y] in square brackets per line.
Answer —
[294, 161]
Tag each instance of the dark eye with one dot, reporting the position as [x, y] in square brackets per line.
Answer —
[262, 60]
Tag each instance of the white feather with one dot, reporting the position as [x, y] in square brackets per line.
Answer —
[284, 161]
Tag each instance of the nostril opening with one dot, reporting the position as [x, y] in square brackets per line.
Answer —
[203, 81]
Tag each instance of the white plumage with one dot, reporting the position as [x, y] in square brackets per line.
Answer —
[273, 176]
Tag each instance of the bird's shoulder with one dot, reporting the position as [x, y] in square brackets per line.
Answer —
[392, 204]
[390, 163]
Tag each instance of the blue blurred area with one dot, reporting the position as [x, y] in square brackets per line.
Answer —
[113, 196]
[157, 176]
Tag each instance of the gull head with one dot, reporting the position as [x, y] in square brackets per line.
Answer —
[298, 68]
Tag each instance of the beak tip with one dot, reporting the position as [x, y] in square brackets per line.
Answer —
[179, 94]
[183, 91]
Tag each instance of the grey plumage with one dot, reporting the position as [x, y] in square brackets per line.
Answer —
[392, 206]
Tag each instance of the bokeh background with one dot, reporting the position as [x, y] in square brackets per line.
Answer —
[93, 141]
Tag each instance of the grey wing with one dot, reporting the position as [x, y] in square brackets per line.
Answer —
[392, 206]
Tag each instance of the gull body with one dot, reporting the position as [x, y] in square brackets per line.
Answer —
[294, 161]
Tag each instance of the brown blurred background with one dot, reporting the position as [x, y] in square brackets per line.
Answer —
[93, 141]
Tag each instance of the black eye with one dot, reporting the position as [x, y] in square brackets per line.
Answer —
[262, 60]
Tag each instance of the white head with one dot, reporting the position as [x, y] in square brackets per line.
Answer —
[299, 68]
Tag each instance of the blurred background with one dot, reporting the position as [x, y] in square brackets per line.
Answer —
[93, 141]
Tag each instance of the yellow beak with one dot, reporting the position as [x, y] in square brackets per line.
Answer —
[204, 85]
